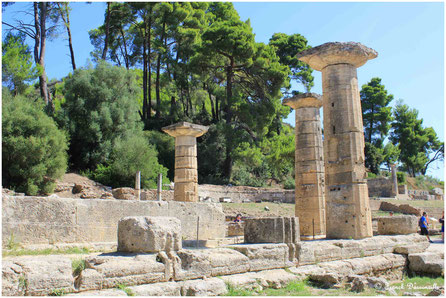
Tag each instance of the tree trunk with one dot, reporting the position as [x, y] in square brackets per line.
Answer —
[144, 78]
[41, 60]
[227, 166]
[157, 86]
[149, 68]
[107, 32]
[70, 44]
[126, 55]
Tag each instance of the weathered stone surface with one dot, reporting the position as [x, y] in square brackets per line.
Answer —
[37, 276]
[37, 220]
[309, 192]
[149, 234]
[89, 279]
[427, 263]
[403, 208]
[209, 287]
[397, 225]
[235, 229]
[124, 193]
[411, 248]
[326, 279]
[347, 206]
[106, 292]
[272, 230]
[196, 263]
[128, 269]
[359, 284]
[158, 289]
[264, 256]
[276, 278]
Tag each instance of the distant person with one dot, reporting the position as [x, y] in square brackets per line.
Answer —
[238, 218]
[423, 223]
[390, 213]
[441, 220]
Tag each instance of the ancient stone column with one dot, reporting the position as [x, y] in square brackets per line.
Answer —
[309, 165]
[394, 180]
[186, 176]
[347, 200]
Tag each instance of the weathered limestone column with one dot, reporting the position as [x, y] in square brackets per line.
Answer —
[186, 176]
[394, 180]
[347, 200]
[309, 165]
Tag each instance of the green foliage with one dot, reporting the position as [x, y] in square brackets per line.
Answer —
[78, 265]
[294, 288]
[57, 292]
[128, 156]
[46, 251]
[376, 113]
[373, 157]
[234, 291]
[286, 48]
[391, 154]
[123, 287]
[414, 142]
[100, 108]
[33, 148]
[401, 177]
[165, 145]
[289, 183]
[17, 63]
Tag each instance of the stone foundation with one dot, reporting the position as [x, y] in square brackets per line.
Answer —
[42, 220]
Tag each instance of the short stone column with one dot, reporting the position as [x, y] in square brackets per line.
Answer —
[347, 200]
[186, 175]
[394, 180]
[309, 165]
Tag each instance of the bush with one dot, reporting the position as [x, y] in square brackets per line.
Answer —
[100, 107]
[401, 177]
[289, 183]
[33, 148]
[127, 157]
[165, 145]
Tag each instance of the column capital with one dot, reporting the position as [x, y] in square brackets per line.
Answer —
[185, 129]
[331, 53]
[304, 100]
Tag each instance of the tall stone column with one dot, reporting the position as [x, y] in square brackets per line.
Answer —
[186, 175]
[309, 165]
[347, 200]
[394, 180]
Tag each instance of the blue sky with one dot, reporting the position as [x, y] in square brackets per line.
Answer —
[408, 36]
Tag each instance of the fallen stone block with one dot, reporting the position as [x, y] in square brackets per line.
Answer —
[264, 256]
[37, 276]
[144, 234]
[411, 248]
[127, 269]
[158, 289]
[208, 287]
[343, 268]
[426, 263]
[246, 281]
[303, 271]
[124, 193]
[327, 280]
[196, 263]
[272, 230]
[89, 279]
[397, 225]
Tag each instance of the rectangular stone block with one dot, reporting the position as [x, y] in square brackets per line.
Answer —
[185, 141]
[186, 175]
[310, 190]
[198, 263]
[264, 256]
[308, 140]
[145, 234]
[308, 126]
[185, 162]
[305, 114]
[186, 192]
[186, 150]
[310, 166]
[397, 225]
[303, 154]
[272, 230]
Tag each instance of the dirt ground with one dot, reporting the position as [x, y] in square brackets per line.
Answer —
[86, 187]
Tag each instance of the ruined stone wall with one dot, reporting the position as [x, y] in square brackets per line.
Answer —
[240, 194]
[380, 187]
[43, 220]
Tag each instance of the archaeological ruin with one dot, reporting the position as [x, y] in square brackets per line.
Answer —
[309, 165]
[347, 202]
[185, 245]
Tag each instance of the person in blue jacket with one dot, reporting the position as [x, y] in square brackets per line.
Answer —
[442, 227]
[423, 225]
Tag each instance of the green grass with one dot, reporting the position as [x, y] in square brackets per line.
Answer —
[47, 251]
[294, 288]
[420, 284]
[57, 292]
[377, 213]
[123, 287]
[77, 265]
[233, 291]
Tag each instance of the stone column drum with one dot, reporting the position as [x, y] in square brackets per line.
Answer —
[309, 165]
[186, 175]
[394, 181]
[347, 200]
